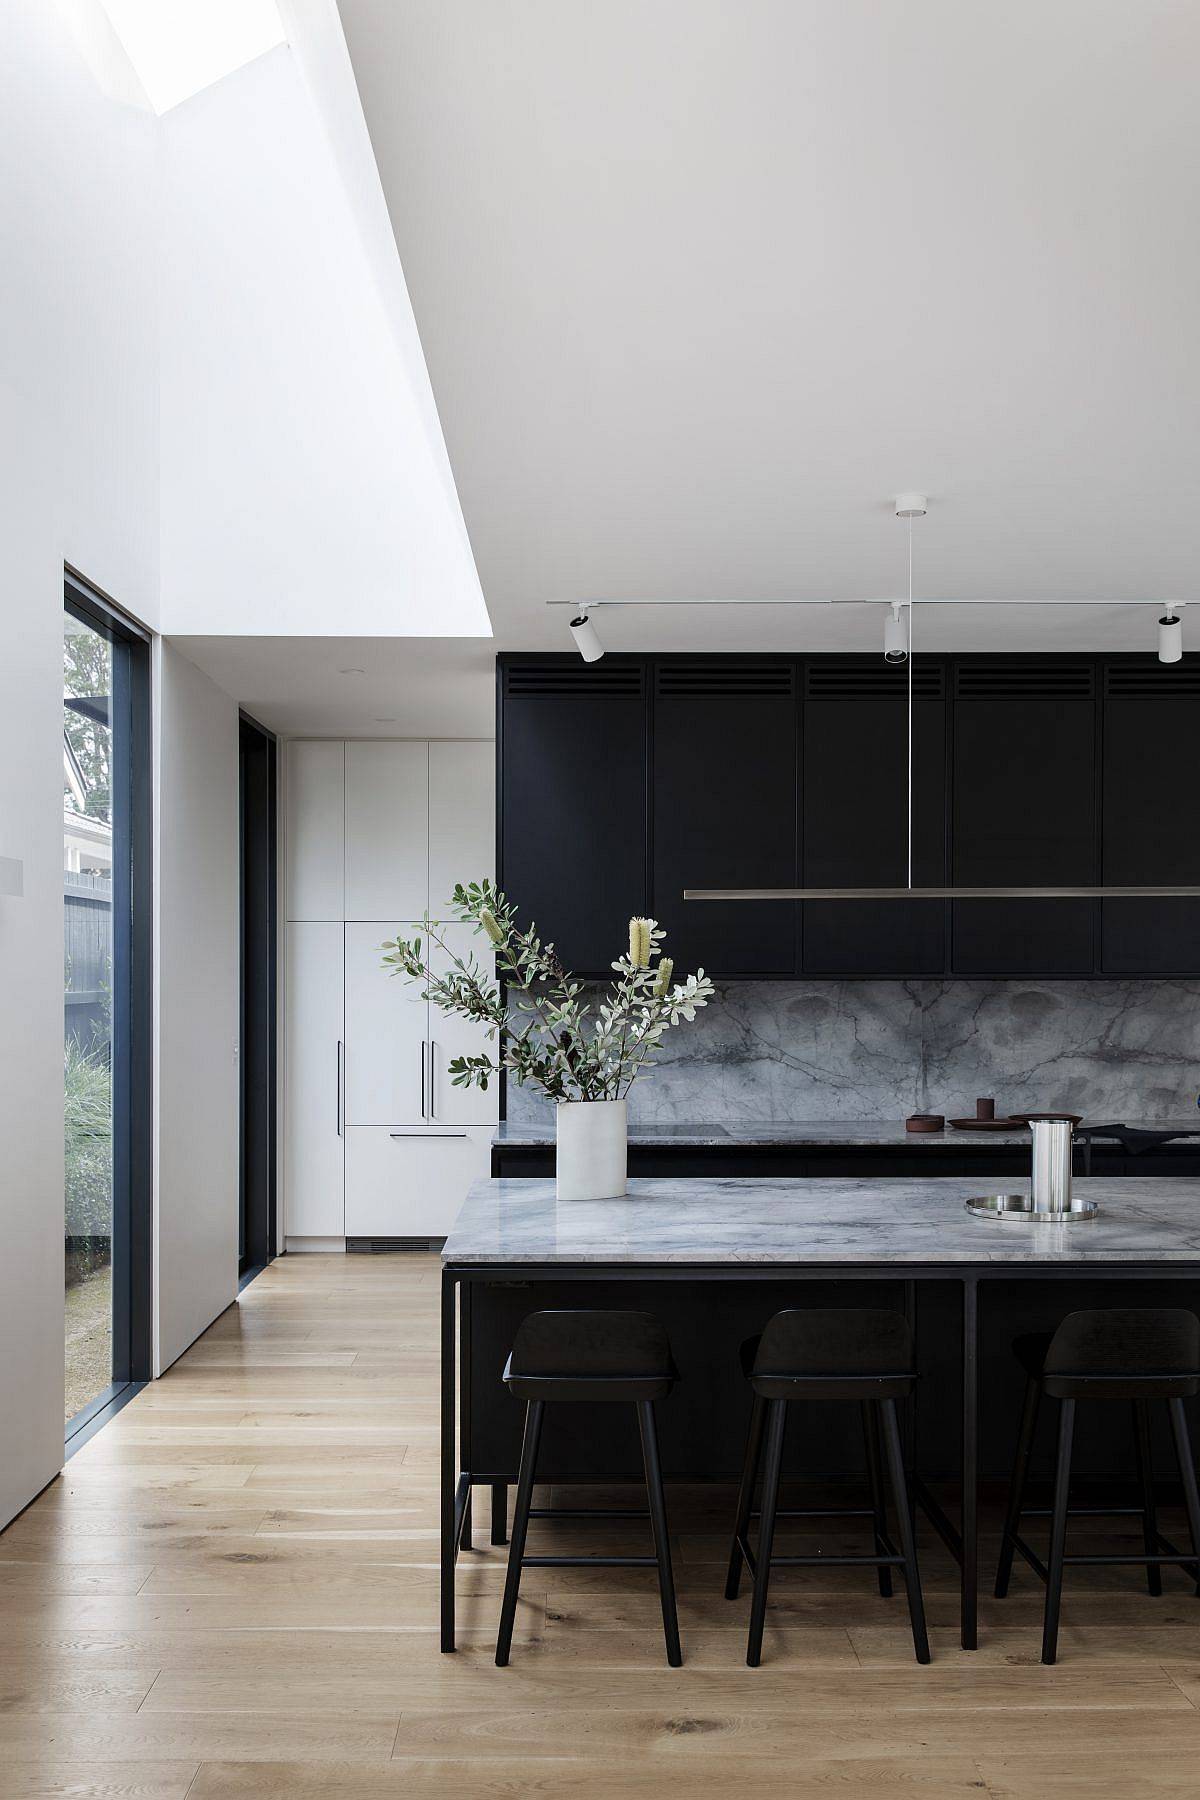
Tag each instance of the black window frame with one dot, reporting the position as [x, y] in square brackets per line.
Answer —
[132, 1005]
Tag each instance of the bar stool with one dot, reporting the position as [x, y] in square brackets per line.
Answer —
[827, 1355]
[566, 1357]
[1123, 1353]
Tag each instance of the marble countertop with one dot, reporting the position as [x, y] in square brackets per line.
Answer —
[838, 1131]
[763, 1221]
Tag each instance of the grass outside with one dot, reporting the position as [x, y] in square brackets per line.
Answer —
[89, 1339]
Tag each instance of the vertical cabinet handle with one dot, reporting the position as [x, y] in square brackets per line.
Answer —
[340, 1084]
[424, 1114]
[432, 1090]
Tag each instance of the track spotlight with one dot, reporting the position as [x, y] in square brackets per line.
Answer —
[586, 641]
[1170, 636]
[895, 637]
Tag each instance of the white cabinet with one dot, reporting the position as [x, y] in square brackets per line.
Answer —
[387, 1030]
[387, 830]
[314, 781]
[377, 1143]
[410, 1183]
[398, 1048]
[462, 817]
[313, 1192]
[451, 1037]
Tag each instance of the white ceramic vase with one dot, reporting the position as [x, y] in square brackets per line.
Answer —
[590, 1160]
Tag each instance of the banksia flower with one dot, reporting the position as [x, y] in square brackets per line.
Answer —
[639, 943]
[662, 986]
[487, 919]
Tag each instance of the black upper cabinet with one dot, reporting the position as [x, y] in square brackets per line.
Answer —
[724, 810]
[572, 837]
[1024, 813]
[1151, 832]
[855, 815]
[623, 782]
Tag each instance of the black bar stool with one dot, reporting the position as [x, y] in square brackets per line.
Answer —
[572, 1356]
[1123, 1353]
[827, 1355]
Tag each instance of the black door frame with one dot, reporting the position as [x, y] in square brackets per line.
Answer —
[258, 888]
[132, 1002]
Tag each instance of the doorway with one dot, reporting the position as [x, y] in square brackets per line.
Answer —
[107, 1018]
[257, 1062]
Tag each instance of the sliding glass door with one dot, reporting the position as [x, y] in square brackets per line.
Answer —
[106, 1014]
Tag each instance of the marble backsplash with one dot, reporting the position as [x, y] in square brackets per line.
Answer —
[798, 1050]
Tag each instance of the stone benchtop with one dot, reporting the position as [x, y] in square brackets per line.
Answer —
[850, 1132]
[810, 1221]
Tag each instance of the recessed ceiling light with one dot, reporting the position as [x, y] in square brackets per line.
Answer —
[178, 47]
[385, 719]
[352, 671]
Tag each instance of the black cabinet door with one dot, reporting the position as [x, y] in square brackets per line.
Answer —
[1024, 812]
[725, 804]
[1151, 815]
[573, 761]
[854, 829]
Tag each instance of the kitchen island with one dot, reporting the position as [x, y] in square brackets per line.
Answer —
[714, 1258]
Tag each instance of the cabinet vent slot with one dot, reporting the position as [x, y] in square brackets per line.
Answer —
[581, 678]
[1152, 680]
[725, 678]
[844, 678]
[366, 1246]
[985, 680]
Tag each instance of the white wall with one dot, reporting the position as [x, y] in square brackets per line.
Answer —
[303, 488]
[78, 482]
[196, 929]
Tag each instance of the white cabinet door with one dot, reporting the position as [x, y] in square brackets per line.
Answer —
[313, 1108]
[387, 830]
[314, 784]
[462, 818]
[410, 1184]
[386, 1033]
[453, 1037]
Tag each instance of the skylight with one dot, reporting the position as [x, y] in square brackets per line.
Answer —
[178, 47]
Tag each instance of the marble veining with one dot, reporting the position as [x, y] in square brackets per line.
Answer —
[800, 1051]
[768, 1221]
[885, 1132]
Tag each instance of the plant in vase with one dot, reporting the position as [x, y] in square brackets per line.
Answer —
[584, 1054]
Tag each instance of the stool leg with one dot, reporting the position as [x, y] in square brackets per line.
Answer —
[658, 1519]
[499, 1512]
[1187, 1470]
[1145, 1475]
[908, 1544]
[1058, 1531]
[776, 1423]
[745, 1499]
[516, 1550]
[870, 1426]
[1016, 1486]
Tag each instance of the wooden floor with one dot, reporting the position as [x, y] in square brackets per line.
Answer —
[232, 1592]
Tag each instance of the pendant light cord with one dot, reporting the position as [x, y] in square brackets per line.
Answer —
[910, 706]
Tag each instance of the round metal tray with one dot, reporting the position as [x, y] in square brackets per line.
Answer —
[1018, 1209]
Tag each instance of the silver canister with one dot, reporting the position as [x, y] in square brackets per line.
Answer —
[1050, 1189]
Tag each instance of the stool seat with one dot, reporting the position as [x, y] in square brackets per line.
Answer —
[606, 1356]
[831, 1353]
[1120, 1353]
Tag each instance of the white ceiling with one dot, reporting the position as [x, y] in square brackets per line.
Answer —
[701, 284]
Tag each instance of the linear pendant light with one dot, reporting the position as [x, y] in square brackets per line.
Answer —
[908, 507]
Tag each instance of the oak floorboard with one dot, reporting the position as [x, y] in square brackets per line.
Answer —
[231, 1594]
